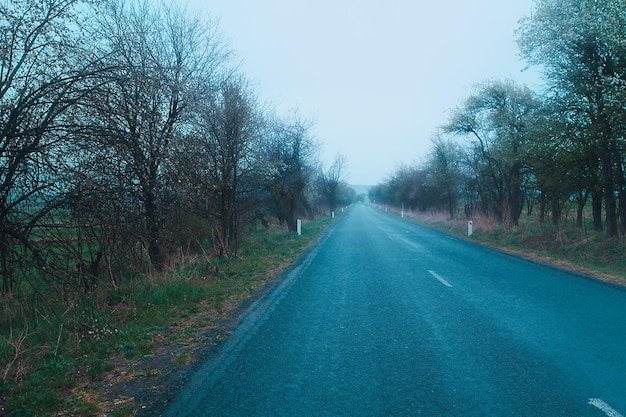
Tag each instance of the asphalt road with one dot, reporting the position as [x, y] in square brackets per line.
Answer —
[387, 318]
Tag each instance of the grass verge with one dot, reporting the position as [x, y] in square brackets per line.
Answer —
[565, 246]
[129, 346]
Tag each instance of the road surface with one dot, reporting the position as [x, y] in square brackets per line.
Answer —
[387, 318]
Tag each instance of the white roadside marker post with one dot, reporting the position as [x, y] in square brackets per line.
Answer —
[469, 228]
[299, 227]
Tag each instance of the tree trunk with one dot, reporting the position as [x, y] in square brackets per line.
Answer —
[557, 210]
[611, 213]
[608, 179]
[622, 211]
[596, 210]
[292, 215]
[515, 195]
[621, 199]
[542, 208]
[450, 205]
[6, 269]
[153, 229]
[610, 203]
[580, 206]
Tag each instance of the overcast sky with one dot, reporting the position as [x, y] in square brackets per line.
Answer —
[377, 77]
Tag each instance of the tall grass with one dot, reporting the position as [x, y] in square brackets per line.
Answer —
[55, 344]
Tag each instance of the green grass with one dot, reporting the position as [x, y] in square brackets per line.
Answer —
[55, 348]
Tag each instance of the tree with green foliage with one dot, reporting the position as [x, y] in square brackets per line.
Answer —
[580, 47]
[499, 116]
[562, 168]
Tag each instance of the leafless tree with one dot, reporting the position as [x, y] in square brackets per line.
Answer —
[444, 173]
[330, 182]
[221, 151]
[289, 154]
[44, 72]
[163, 62]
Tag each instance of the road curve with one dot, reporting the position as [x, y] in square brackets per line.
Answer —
[387, 318]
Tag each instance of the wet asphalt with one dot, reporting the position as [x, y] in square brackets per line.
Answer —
[388, 318]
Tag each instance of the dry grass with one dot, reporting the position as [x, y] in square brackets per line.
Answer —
[456, 226]
[564, 246]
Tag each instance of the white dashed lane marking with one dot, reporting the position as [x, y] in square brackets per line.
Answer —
[440, 279]
[604, 407]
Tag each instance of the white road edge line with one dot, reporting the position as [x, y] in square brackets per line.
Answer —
[443, 281]
[604, 407]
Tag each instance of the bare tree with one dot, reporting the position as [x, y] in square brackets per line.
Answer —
[222, 147]
[330, 182]
[43, 71]
[163, 61]
[444, 172]
[408, 187]
[288, 154]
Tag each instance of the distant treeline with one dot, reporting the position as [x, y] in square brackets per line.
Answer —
[127, 135]
[553, 150]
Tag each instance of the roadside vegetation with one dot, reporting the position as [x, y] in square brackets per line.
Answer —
[566, 246]
[92, 353]
[540, 170]
[142, 182]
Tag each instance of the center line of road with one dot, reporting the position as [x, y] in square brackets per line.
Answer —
[443, 281]
[606, 409]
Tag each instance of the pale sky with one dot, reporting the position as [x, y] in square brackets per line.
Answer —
[377, 77]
